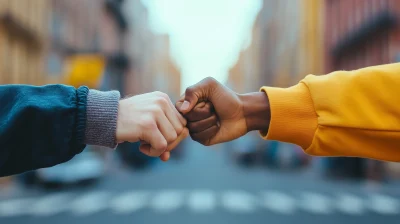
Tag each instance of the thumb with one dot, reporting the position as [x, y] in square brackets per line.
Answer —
[188, 101]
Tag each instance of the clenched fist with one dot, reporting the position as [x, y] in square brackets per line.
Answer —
[216, 114]
[152, 119]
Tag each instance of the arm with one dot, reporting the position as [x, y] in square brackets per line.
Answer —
[44, 126]
[345, 113]
[48, 125]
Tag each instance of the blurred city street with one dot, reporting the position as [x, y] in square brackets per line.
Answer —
[142, 46]
[205, 186]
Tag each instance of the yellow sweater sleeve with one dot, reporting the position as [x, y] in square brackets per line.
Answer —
[344, 113]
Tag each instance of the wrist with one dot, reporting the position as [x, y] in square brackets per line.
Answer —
[101, 118]
[256, 111]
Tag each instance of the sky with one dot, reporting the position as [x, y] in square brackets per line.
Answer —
[206, 35]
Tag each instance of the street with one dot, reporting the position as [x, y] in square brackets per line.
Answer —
[205, 186]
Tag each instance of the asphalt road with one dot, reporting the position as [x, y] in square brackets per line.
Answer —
[205, 187]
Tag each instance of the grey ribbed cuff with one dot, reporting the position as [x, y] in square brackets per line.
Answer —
[101, 118]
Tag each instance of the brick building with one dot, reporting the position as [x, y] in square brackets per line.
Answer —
[358, 34]
[361, 33]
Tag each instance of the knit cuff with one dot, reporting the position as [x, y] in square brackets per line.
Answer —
[101, 118]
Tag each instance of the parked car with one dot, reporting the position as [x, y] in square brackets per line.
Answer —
[84, 168]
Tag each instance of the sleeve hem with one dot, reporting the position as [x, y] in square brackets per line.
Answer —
[293, 117]
[101, 116]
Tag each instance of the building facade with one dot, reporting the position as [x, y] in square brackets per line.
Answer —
[152, 65]
[88, 33]
[286, 45]
[23, 41]
[359, 34]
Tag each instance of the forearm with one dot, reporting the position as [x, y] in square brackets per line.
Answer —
[345, 113]
[40, 126]
[48, 125]
[256, 111]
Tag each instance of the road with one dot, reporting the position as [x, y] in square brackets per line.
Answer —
[205, 187]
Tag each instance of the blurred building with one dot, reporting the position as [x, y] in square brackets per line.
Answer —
[153, 68]
[359, 34]
[87, 43]
[23, 40]
[286, 45]
[63, 41]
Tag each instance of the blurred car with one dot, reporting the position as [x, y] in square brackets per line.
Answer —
[342, 167]
[285, 156]
[245, 151]
[84, 168]
[131, 156]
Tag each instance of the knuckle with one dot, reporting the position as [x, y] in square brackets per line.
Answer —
[210, 80]
[162, 101]
[179, 129]
[206, 143]
[208, 107]
[148, 122]
[192, 126]
[195, 137]
[163, 146]
[158, 93]
[161, 94]
[190, 90]
[156, 111]
[173, 137]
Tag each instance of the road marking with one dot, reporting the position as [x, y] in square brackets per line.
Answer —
[201, 201]
[384, 204]
[129, 202]
[50, 205]
[167, 201]
[315, 203]
[15, 207]
[350, 204]
[278, 202]
[90, 203]
[239, 201]
[198, 201]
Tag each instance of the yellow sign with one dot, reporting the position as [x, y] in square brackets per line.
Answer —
[85, 70]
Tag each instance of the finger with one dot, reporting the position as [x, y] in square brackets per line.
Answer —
[190, 100]
[145, 149]
[157, 144]
[201, 112]
[202, 91]
[165, 156]
[166, 128]
[178, 104]
[181, 137]
[176, 118]
[199, 126]
[205, 136]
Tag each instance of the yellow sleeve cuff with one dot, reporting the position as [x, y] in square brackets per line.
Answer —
[293, 117]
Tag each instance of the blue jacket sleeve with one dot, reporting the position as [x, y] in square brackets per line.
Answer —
[40, 126]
